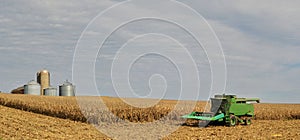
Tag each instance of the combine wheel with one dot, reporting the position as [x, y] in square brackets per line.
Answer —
[247, 121]
[233, 121]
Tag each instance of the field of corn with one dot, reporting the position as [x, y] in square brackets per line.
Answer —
[279, 120]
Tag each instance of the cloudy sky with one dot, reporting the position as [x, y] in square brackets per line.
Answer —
[260, 41]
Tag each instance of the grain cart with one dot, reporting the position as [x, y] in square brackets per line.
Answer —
[228, 110]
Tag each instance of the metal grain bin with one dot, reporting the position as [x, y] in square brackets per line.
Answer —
[67, 89]
[51, 91]
[32, 88]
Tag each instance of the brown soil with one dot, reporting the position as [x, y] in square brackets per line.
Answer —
[273, 121]
[17, 124]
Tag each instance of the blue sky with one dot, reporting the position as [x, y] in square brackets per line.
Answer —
[260, 40]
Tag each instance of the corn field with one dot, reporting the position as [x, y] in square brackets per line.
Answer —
[67, 108]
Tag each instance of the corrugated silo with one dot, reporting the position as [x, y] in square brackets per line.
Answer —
[32, 88]
[50, 91]
[67, 89]
[43, 77]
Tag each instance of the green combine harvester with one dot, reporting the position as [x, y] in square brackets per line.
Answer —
[227, 110]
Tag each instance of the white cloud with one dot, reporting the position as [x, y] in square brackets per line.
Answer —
[260, 39]
[258, 66]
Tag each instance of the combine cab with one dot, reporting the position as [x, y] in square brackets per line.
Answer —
[228, 110]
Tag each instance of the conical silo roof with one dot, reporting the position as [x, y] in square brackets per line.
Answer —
[32, 82]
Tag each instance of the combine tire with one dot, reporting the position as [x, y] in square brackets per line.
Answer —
[247, 121]
[232, 121]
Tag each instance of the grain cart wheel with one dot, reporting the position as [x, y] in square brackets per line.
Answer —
[247, 121]
[232, 120]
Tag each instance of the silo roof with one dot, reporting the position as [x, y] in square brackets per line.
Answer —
[32, 82]
[67, 83]
[51, 87]
[43, 71]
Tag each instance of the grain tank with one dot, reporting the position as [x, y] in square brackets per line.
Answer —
[67, 89]
[50, 91]
[32, 88]
[43, 78]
